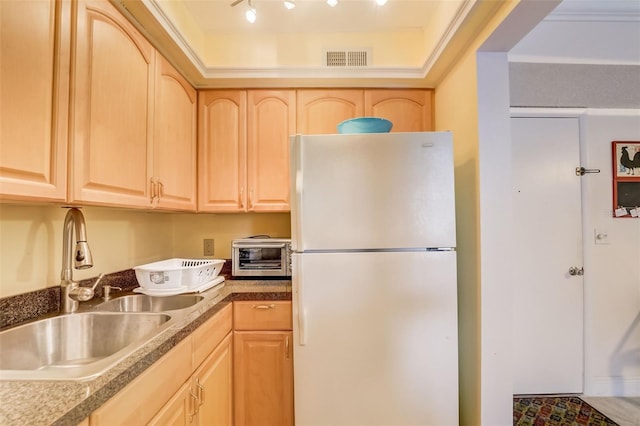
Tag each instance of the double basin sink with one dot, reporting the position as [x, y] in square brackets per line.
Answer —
[81, 346]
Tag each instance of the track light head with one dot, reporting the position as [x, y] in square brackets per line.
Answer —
[250, 14]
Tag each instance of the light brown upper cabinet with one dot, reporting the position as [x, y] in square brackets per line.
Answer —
[34, 87]
[111, 123]
[133, 118]
[271, 120]
[222, 145]
[321, 110]
[173, 181]
[243, 150]
[408, 110]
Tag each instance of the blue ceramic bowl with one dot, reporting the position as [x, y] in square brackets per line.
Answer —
[365, 125]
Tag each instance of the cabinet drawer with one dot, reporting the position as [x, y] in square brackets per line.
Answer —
[262, 315]
[206, 337]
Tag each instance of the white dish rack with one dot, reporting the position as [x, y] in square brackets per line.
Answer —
[177, 273]
[217, 282]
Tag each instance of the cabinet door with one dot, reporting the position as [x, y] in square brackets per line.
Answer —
[263, 378]
[213, 383]
[320, 111]
[147, 394]
[174, 139]
[408, 110]
[179, 411]
[111, 121]
[210, 334]
[222, 143]
[272, 119]
[34, 86]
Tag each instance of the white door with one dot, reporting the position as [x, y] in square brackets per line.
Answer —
[547, 242]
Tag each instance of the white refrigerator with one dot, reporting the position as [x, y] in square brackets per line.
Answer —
[374, 279]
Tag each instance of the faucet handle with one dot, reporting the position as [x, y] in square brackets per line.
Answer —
[95, 284]
[82, 294]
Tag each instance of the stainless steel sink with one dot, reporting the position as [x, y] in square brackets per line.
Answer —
[144, 303]
[76, 346]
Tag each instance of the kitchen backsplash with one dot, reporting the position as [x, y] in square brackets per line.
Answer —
[26, 306]
[35, 304]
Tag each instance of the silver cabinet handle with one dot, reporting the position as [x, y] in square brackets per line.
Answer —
[271, 306]
[153, 190]
[200, 391]
[156, 191]
[195, 404]
[286, 347]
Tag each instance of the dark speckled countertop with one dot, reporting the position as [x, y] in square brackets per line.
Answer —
[61, 402]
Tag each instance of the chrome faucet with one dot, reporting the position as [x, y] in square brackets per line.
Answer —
[70, 292]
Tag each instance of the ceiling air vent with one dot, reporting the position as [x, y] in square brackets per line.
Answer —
[346, 58]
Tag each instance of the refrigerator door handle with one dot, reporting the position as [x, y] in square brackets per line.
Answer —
[302, 316]
[302, 311]
[302, 322]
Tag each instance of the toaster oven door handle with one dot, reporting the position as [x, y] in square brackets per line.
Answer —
[262, 245]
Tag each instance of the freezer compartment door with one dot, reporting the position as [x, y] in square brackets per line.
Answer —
[375, 338]
[372, 191]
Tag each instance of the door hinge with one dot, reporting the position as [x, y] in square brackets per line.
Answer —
[581, 171]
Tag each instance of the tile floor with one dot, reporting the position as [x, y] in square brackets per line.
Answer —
[624, 411]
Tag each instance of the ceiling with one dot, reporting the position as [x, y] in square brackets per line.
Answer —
[404, 40]
[217, 16]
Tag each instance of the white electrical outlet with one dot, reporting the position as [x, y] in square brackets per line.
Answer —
[208, 247]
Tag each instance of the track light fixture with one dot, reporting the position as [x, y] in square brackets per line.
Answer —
[250, 14]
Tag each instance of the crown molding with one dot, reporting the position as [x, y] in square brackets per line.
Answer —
[313, 72]
[451, 30]
[596, 11]
[175, 34]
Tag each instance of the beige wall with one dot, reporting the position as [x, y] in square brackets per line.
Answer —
[189, 230]
[31, 240]
[456, 109]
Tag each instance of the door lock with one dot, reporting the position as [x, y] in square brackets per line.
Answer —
[574, 270]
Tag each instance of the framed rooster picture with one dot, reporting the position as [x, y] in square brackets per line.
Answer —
[626, 178]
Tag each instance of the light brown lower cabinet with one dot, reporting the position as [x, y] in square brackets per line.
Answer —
[179, 410]
[263, 378]
[141, 399]
[185, 387]
[263, 363]
[235, 369]
[206, 399]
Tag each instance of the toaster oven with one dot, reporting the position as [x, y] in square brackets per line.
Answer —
[261, 257]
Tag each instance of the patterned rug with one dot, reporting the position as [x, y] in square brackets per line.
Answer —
[556, 411]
